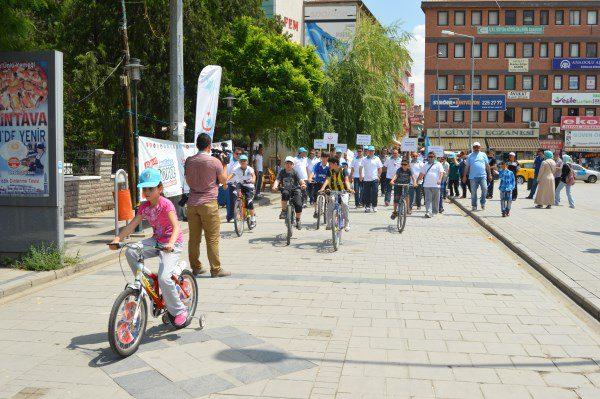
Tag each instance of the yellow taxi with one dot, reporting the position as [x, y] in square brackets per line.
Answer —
[526, 171]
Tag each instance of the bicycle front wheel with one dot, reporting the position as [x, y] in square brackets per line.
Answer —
[401, 219]
[127, 322]
[335, 230]
[320, 209]
[238, 218]
[289, 222]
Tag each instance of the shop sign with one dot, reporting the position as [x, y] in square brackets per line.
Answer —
[587, 138]
[462, 102]
[573, 64]
[518, 95]
[553, 145]
[482, 133]
[576, 99]
[510, 30]
[580, 123]
[518, 65]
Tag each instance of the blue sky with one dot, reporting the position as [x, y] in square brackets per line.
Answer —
[413, 20]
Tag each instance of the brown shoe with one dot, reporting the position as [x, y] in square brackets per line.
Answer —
[220, 273]
[198, 272]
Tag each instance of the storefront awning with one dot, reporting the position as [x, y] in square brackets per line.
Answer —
[456, 143]
[513, 144]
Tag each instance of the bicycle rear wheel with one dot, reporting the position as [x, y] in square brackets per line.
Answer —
[289, 222]
[238, 218]
[189, 298]
[125, 332]
[401, 219]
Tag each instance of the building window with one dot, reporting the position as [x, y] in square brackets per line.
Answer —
[442, 50]
[543, 115]
[509, 115]
[493, 18]
[574, 50]
[574, 17]
[459, 50]
[509, 82]
[527, 82]
[477, 82]
[543, 82]
[590, 82]
[574, 82]
[493, 50]
[527, 50]
[526, 115]
[559, 17]
[556, 115]
[442, 18]
[510, 50]
[558, 53]
[543, 50]
[544, 17]
[459, 116]
[573, 112]
[476, 116]
[493, 82]
[558, 82]
[441, 116]
[510, 17]
[459, 18]
[592, 17]
[476, 18]
[477, 50]
[590, 112]
[528, 17]
[591, 50]
[442, 82]
[492, 116]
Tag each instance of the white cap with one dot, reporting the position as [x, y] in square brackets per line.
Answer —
[477, 143]
[511, 153]
[290, 159]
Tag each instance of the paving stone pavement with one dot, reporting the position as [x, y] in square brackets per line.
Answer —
[564, 241]
[441, 311]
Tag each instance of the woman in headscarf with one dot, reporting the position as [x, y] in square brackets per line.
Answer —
[567, 179]
[544, 195]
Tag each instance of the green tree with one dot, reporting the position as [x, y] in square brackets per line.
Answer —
[362, 92]
[276, 82]
[17, 27]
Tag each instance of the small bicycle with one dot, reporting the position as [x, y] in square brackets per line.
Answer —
[241, 214]
[290, 221]
[338, 222]
[402, 209]
[129, 314]
[321, 209]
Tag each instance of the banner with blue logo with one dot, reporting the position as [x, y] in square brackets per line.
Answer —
[571, 64]
[462, 102]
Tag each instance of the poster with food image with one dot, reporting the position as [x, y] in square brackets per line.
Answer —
[24, 129]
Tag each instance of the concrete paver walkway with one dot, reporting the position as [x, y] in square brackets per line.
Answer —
[440, 311]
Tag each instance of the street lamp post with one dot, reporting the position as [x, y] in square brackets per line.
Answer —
[135, 75]
[230, 100]
[451, 33]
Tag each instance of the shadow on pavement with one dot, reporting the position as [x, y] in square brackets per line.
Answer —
[592, 233]
[592, 251]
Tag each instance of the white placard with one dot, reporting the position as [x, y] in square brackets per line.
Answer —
[588, 138]
[438, 150]
[342, 147]
[363, 139]
[330, 138]
[409, 144]
[319, 144]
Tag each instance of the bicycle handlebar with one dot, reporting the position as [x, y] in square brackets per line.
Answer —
[135, 246]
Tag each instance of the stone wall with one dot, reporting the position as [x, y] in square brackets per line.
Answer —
[91, 194]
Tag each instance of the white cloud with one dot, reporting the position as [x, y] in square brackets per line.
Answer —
[417, 52]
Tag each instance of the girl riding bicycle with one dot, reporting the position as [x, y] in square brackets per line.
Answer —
[160, 213]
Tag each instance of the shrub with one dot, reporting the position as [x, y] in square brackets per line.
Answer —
[45, 257]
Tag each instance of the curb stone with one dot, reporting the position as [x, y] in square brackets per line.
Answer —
[536, 262]
[46, 277]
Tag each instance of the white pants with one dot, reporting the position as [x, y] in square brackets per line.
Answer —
[167, 267]
[345, 208]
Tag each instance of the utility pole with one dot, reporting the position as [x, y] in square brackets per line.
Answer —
[176, 70]
[127, 117]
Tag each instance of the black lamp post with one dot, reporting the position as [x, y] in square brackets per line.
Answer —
[230, 99]
[135, 75]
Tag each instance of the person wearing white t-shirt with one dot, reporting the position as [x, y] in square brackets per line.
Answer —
[415, 189]
[391, 166]
[258, 167]
[233, 164]
[369, 173]
[354, 172]
[301, 168]
[313, 160]
[432, 174]
[243, 178]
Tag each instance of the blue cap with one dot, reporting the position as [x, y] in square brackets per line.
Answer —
[338, 150]
[243, 158]
[149, 178]
[302, 149]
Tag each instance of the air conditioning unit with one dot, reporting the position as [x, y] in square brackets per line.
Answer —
[554, 129]
[534, 125]
[459, 87]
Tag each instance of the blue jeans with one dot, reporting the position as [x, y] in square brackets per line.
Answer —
[505, 201]
[562, 185]
[230, 201]
[358, 192]
[414, 194]
[476, 183]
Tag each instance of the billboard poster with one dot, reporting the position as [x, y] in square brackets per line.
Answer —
[580, 123]
[575, 64]
[24, 168]
[462, 102]
[588, 138]
[576, 99]
[328, 26]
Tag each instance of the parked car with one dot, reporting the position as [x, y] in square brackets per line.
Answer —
[587, 175]
[526, 171]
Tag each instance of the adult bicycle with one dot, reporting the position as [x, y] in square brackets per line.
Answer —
[129, 314]
[401, 210]
[321, 208]
[241, 215]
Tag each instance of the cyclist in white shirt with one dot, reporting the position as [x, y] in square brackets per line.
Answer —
[233, 164]
[392, 165]
[313, 159]
[301, 168]
[355, 175]
[415, 191]
[432, 174]
[258, 168]
[369, 173]
[243, 178]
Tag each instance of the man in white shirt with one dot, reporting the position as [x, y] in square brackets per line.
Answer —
[313, 160]
[301, 168]
[258, 167]
[354, 172]
[369, 173]
[432, 174]
[243, 178]
[414, 191]
[391, 166]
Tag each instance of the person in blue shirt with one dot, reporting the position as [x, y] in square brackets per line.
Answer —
[507, 185]
[318, 176]
[537, 163]
[478, 173]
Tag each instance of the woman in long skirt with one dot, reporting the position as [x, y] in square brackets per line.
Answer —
[544, 195]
